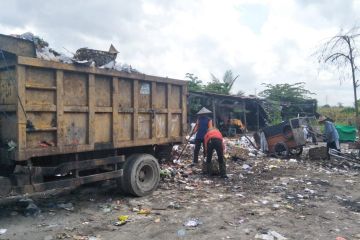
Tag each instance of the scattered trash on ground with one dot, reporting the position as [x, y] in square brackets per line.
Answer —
[193, 222]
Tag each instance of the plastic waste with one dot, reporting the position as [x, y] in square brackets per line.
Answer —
[193, 222]
[123, 219]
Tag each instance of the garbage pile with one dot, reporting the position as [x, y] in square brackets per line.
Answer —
[83, 56]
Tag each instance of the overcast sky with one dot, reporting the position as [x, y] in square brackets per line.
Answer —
[262, 41]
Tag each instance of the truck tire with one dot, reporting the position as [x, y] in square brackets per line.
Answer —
[141, 175]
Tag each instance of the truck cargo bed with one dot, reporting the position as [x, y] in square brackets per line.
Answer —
[73, 109]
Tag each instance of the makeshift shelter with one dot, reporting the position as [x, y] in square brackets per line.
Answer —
[224, 107]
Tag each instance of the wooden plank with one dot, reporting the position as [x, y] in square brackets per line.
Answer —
[135, 113]
[115, 114]
[168, 105]
[76, 109]
[39, 87]
[91, 104]
[60, 108]
[153, 107]
[104, 109]
[69, 67]
[213, 101]
[40, 108]
[21, 116]
[126, 110]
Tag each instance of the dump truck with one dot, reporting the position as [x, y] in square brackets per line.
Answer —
[64, 125]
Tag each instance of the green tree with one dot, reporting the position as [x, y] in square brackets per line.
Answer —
[286, 99]
[222, 86]
[195, 84]
[286, 92]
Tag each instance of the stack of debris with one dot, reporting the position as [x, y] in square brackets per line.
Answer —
[83, 56]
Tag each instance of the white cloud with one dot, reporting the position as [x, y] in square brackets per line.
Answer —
[263, 41]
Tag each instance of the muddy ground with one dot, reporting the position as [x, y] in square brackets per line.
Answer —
[294, 198]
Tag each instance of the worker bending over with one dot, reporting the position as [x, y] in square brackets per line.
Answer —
[214, 140]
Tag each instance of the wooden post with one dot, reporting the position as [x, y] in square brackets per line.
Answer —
[168, 98]
[91, 104]
[214, 111]
[135, 107]
[184, 110]
[115, 111]
[59, 108]
[21, 121]
[153, 109]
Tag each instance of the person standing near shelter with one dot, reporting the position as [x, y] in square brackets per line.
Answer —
[203, 123]
[331, 135]
[213, 140]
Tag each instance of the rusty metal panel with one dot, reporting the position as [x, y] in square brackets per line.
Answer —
[175, 125]
[144, 93]
[75, 89]
[144, 126]
[103, 127]
[175, 101]
[160, 120]
[40, 139]
[126, 126]
[76, 128]
[38, 97]
[38, 77]
[160, 98]
[103, 91]
[7, 87]
[42, 120]
[126, 93]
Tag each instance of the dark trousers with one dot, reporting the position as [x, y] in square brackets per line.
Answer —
[198, 143]
[331, 145]
[216, 144]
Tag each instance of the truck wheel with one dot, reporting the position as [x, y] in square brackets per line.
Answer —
[141, 175]
[281, 150]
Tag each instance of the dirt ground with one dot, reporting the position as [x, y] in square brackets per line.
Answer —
[264, 197]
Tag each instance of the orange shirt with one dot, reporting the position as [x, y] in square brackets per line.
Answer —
[213, 133]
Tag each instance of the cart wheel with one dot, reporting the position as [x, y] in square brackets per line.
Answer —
[281, 150]
[141, 175]
[296, 151]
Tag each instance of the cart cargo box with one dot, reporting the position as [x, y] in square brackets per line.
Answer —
[62, 123]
